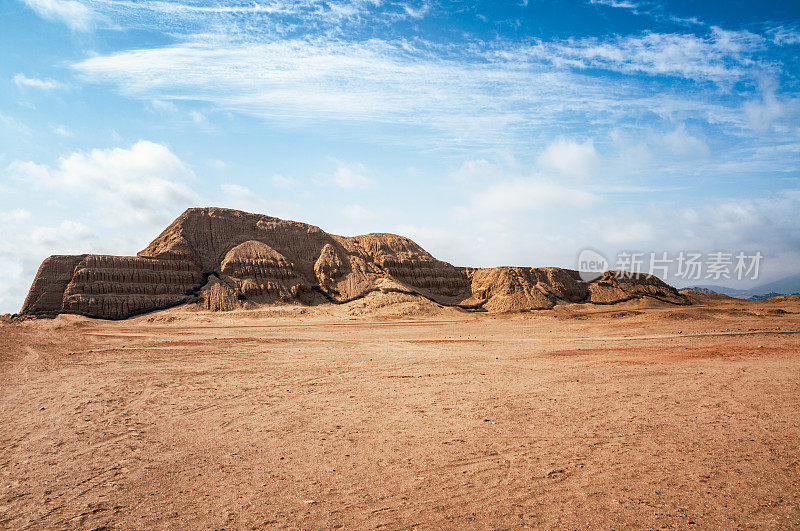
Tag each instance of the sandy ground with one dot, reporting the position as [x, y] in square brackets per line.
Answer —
[399, 414]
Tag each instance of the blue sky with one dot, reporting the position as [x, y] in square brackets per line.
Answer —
[493, 133]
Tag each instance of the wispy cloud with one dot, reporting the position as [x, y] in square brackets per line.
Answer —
[684, 145]
[623, 4]
[163, 106]
[721, 56]
[417, 12]
[473, 98]
[11, 123]
[316, 61]
[785, 35]
[654, 9]
[571, 158]
[62, 130]
[273, 17]
[76, 15]
[23, 81]
[765, 112]
[348, 176]
[313, 60]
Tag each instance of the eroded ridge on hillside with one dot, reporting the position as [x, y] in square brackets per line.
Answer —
[225, 259]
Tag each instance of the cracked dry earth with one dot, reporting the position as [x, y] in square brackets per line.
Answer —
[293, 417]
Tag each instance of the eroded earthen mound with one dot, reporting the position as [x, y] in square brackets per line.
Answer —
[226, 259]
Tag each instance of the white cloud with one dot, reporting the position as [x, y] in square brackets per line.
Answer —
[696, 231]
[785, 36]
[54, 237]
[683, 145]
[623, 4]
[764, 114]
[722, 56]
[276, 17]
[476, 97]
[143, 184]
[74, 14]
[22, 81]
[734, 216]
[348, 176]
[307, 60]
[537, 221]
[767, 224]
[418, 12]
[571, 158]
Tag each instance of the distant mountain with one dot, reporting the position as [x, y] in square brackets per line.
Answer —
[785, 286]
[730, 292]
[769, 295]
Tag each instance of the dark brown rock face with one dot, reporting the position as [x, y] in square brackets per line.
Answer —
[224, 259]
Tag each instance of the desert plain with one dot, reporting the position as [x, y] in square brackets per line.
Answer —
[394, 412]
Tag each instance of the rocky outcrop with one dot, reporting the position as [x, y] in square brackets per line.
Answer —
[218, 296]
[109, 286]
[46, 295]
[612, 288]
[224, 259]
[261, 273]
[345, 276]
[525, 288]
